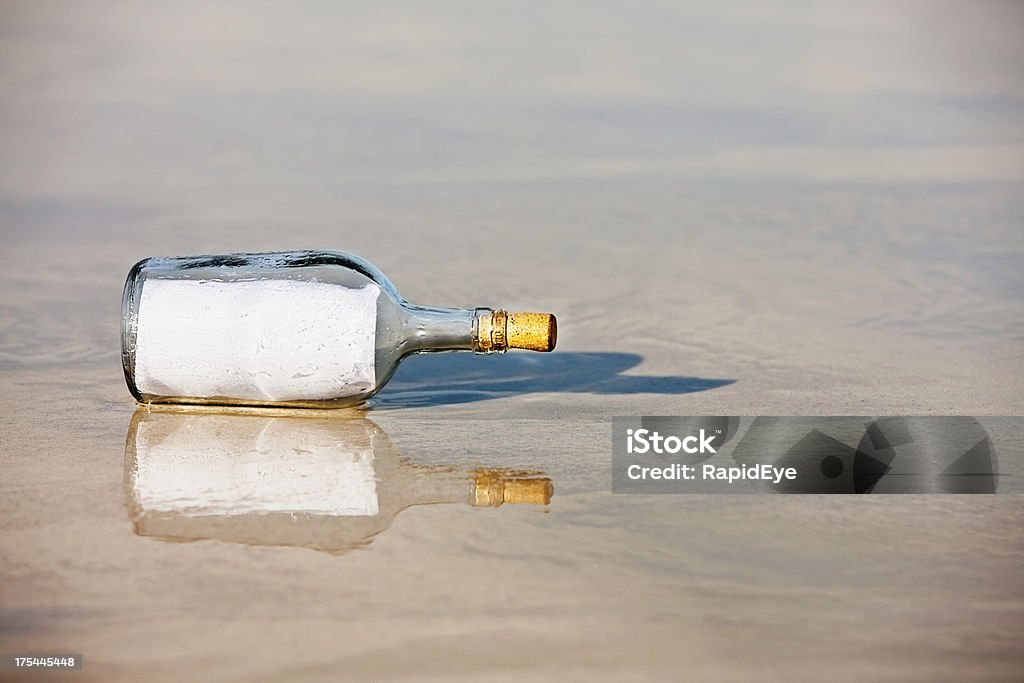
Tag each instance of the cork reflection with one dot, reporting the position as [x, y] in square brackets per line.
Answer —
[290, 478]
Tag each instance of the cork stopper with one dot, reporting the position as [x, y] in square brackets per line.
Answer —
[499, 330]
[492, 488]
[532, 331]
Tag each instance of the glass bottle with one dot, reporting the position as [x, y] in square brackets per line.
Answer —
[303, 328]
[295, 478]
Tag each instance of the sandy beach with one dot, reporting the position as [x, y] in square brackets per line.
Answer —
[743, 211]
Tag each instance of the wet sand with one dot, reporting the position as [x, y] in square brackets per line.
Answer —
[732, 212]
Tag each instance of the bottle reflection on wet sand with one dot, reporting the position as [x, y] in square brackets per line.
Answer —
[293, 478]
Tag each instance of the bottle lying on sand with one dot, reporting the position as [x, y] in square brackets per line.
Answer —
[306, 328]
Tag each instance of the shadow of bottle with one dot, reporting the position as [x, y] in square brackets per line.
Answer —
[446, 379]
[311, 479]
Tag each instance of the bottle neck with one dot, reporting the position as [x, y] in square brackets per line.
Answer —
[481, 488]
[439, 329]
[482, 330]
[431, 485]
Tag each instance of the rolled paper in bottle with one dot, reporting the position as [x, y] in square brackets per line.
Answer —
[230, 465]
[260, 340]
